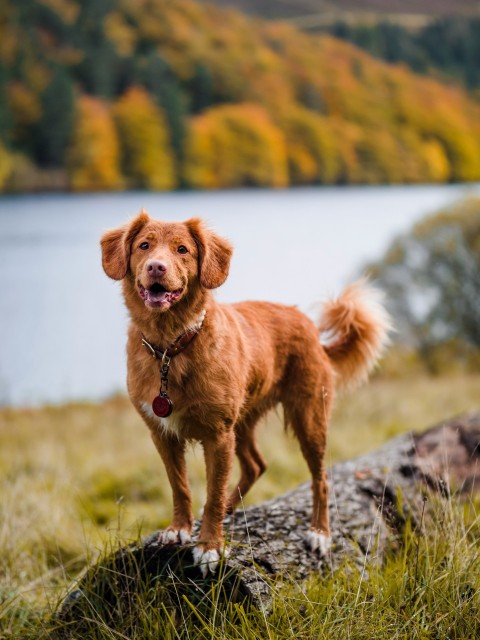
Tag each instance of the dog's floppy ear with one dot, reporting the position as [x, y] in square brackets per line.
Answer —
[214, 253]
[116, 246]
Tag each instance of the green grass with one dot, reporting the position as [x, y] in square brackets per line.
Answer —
[78, 479]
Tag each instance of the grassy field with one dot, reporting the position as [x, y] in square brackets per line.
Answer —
[76, 479]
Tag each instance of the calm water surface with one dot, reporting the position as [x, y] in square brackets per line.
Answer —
[62, 321]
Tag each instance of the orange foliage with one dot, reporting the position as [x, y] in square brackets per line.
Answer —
[93, 156]
[390, 125]
[281, 107]
[233, 146]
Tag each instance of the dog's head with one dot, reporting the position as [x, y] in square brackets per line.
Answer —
[165, 261]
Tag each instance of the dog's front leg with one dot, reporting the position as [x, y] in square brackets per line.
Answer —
[219, 452]
[172, 451]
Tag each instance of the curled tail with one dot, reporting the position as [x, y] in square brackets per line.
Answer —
[355, 329]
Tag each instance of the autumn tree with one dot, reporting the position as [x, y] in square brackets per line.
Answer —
[93, 156]
[312, 149]
[441, 115]
[5, 165]
[320, 111]
[147, 159]
[431, 276]
[234, 146]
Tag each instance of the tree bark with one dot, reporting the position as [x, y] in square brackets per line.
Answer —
[371, 497]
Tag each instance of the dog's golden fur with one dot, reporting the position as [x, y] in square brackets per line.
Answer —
[247, 358]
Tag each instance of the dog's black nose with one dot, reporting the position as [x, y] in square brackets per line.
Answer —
[156, 267]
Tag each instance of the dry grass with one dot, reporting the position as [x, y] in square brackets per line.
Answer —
[77, 476]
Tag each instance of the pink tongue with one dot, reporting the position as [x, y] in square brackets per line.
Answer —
[156, 297]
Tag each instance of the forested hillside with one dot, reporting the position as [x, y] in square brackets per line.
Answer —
[298, 8]
[436, 37]
[109, 94]
[448, 47]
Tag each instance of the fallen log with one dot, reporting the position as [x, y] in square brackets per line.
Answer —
[371, 498]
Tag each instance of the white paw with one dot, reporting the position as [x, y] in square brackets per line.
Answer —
[174, 536]
[208, 560]
[317, 541]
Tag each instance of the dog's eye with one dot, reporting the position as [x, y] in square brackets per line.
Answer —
[182, 249]
[144, 245]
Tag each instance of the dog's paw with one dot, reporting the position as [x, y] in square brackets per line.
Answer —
[174, 536]
[317, 541]
[207, 559]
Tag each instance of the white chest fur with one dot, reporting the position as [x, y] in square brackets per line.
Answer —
[171, 425]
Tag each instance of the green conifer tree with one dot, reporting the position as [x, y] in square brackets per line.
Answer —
[159, 80]
[54, 130]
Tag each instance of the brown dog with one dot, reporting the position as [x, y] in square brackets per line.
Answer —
[226, 365]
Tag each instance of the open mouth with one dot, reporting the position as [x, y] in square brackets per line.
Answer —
[156, 295]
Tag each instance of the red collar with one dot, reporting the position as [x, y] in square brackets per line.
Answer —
[178, 345]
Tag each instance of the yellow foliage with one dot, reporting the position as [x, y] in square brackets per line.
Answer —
[462, 151]
[24, 104]
[23, 174]
[436, 159]
[93, 156]
[146, 154]
[303, 168]
[120, 33]
[372, 150]
[5, 165]
[378, 122]
[201, 155]
[311, 147]
[347, 136]
[444, 115]
[67, 9]
[233, 146]
[298, 108]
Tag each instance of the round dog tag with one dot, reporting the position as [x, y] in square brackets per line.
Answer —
[162, 406]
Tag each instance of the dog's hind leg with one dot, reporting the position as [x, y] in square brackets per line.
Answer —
[308, 417]
[252, 463]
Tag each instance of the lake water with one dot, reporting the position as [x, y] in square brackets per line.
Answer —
[62, 321]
